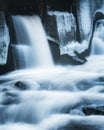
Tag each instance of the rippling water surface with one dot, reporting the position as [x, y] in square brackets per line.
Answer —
[58, 98]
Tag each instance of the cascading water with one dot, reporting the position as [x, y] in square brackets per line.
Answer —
[98, 39]
[22, 56]
[57, 98]
[31, 38]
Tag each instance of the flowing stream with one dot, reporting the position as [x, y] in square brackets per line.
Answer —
[98, 38]
[53, 98]
[32, 46]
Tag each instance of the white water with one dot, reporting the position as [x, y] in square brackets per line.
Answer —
[30, 32]
[98, 39]
[23, 56]
[50, 99]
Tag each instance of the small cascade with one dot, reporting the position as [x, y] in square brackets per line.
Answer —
[23, 57]
[98, 39]
[47, 97]
[30, 34]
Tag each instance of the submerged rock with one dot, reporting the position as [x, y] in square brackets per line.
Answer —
[80, 60]
[76, 112]
[90, 110]
[26, 85]
[8, 97]
[20, 85]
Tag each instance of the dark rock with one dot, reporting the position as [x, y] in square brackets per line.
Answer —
[64, 59]
[20, 6]
[62, 5]
[80, 60]
[8, 66]
[9, 98]
[54, 47]
[2, 5]
[58, 30]
[27, 85]
[93, 110]
[51, 28]
[79, 126]
[4, 90]
[100, 79]
[20, 85]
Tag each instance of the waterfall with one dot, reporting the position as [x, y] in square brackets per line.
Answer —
[31, 36]
[41, 96]
[23, 58]
[98, 39]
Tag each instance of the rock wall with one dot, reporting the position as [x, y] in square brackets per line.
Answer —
[4, 40]
[76, 41]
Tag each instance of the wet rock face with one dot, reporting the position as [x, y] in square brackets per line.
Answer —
[20, 6]
[62, 5]
[93, 110]
[60, 27]
[4, 40]
[51, 28]
[64, 59]
[1, 4]
[85, 14]
[77, 9]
